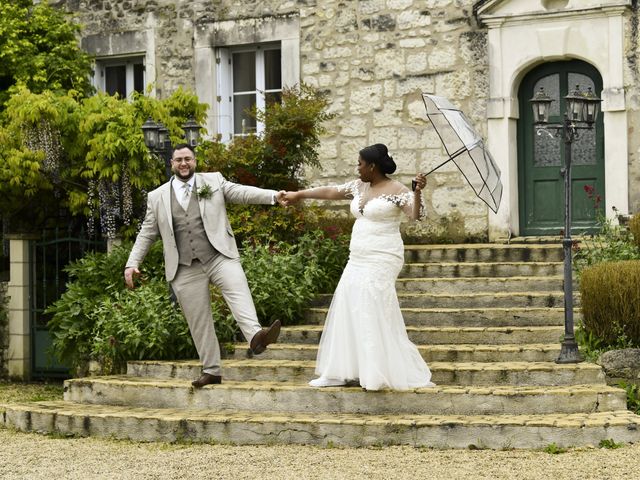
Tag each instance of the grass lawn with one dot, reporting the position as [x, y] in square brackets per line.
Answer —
[11, 392]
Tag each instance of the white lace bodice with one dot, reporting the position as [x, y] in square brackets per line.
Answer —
[376, 232]
[384, 207]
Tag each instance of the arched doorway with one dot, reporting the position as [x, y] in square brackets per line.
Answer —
[541, 156]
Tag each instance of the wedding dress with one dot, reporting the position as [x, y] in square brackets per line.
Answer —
[364, 337]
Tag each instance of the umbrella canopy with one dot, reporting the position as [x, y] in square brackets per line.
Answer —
[466, 149]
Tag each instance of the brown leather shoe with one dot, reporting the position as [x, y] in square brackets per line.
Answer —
[207, 379]
[265, 337]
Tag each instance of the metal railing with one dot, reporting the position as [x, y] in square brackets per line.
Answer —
[49, 256]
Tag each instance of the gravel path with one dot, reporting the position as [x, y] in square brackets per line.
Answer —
[32, 456]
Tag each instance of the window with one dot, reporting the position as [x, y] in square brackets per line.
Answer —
[121, 76]
[249, 77]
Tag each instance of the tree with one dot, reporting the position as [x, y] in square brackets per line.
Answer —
[39, 50]
[83, 155]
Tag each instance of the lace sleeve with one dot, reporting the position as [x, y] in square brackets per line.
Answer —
[350, 189]
[405, 202]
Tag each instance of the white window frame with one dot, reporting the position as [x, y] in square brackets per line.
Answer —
[224, 81]
[128, 61]
[210, 41]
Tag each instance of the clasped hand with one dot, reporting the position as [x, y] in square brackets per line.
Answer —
[288, 198]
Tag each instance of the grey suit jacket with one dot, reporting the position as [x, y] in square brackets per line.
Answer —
[158, 220]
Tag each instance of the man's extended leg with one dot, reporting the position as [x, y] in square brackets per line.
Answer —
[228, 274]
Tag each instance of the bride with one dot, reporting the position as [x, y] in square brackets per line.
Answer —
[364, 338]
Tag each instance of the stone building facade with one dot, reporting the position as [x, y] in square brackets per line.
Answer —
[374, 58]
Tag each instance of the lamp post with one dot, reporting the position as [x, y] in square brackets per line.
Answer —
[581, 113]
[156, 138]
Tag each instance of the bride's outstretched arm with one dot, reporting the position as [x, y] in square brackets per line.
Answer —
[318, 193]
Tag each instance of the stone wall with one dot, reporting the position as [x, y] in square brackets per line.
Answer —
[4, 330]
[372, 57]
[375, 58]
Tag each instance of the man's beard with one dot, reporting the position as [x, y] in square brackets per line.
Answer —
[182, 177]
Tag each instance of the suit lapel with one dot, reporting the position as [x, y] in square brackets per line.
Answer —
[165, 196]
[200, 182]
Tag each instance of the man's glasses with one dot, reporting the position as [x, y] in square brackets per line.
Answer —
[183, 159]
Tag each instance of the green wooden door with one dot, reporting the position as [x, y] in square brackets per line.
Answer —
[541, 155]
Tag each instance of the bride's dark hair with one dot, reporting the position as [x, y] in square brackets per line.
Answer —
[378, 154]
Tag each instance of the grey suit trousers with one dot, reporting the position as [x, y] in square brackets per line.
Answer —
[191, 286]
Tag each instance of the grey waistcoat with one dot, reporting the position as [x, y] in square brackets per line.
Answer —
[188, 228]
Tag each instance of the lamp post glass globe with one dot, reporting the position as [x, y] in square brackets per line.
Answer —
[541, 102]
[191, 132]
[591, 107]
[163, 137]
[157, 139]
[575, 105]
[150, 133]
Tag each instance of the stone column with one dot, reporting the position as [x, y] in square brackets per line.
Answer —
[19, 355]
[113, 243]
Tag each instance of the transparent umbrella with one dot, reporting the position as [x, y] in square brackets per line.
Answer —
[465, 148]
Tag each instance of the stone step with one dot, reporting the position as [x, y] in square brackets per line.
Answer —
[445, 335]
[447, 373]
[482, 269]
[487, 252]
[328, 430]
[480, 284]
[431, 353]
[472, 300]
[469, 317]
[543, 239]
[299, 397]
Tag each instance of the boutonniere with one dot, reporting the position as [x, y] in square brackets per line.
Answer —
[204, 192]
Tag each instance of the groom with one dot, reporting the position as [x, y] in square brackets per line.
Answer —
[188, 213]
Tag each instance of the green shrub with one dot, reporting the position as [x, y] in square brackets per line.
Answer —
[285, 278]
[261, 225]
[554, 449]
[40, 49]
[282, 283]
[633, 396]
[610, 294]
[610, 444]
[634, 228]
[139, 324]
[265, 224]
[612, 243]
[98, 319]
[330, 251]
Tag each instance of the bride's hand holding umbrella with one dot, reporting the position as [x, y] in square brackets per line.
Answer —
[418, 183]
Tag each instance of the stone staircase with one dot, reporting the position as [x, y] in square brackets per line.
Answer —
[488, 320]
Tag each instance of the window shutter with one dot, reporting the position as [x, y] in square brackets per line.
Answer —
[224, 107]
